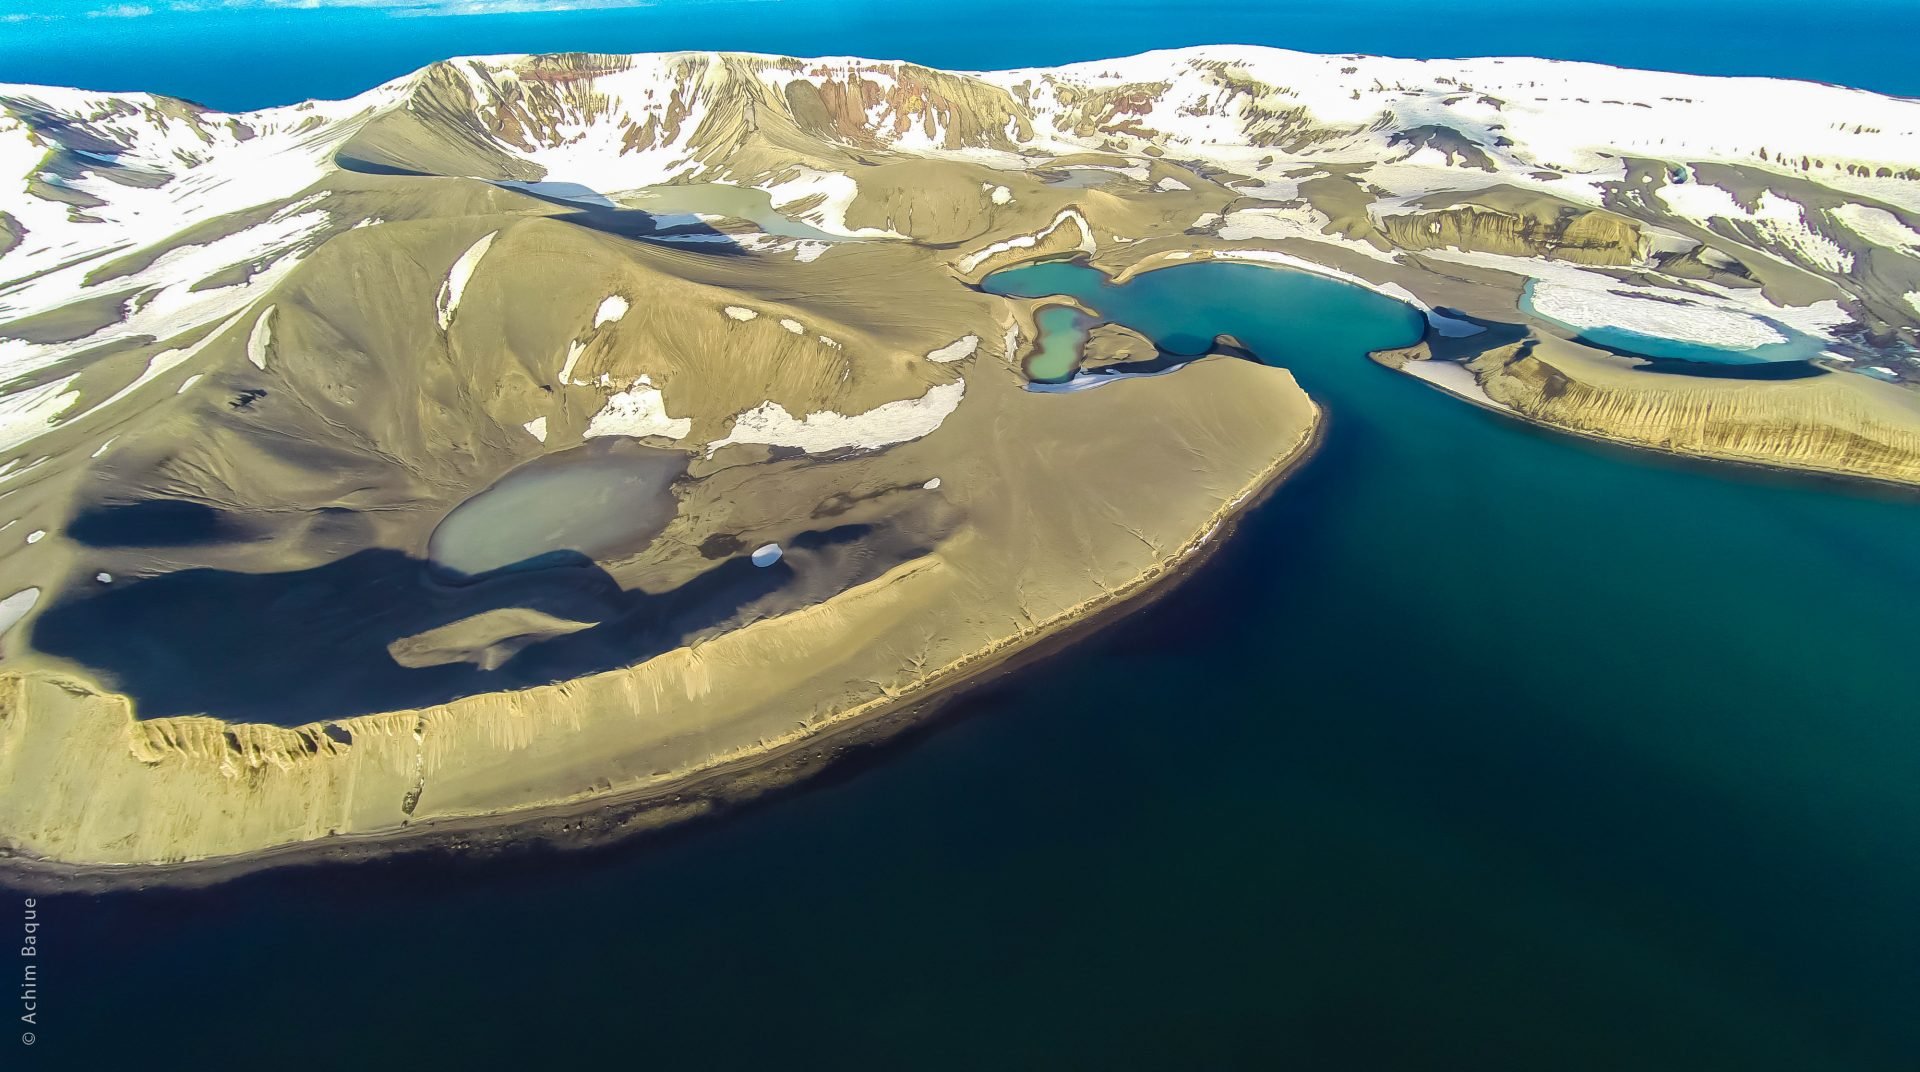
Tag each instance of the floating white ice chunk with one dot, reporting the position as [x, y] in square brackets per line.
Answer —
[103, 578]
[884, 425]
[766, 555]
[16, 606]
[537, 428]
[640, 410]
[457, 279]
[958, 349]
[612, 308]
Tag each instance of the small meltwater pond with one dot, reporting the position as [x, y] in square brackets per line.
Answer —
[606, 496]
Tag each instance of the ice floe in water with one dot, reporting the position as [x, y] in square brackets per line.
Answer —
[766, 554]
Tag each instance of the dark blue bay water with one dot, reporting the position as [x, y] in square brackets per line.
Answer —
[1476, 747]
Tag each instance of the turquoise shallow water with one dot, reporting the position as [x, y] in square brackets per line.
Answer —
[1476, 747]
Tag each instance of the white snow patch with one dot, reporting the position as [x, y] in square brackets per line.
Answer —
[36, 535]
[16, 606]
[457, 279]
[102, 449]
[1453, 378]
[932, 485]
[884, 425]
[260, 339]
[740, 313]
[641, 410]
[1301, 221]
[1027, 241]
[187, 383]
[26, 414]
[574, 350]
[999, 195]
[1779, 222]
[793, 325]
[836, 191]
[1170, 184]
[612, 308]
[959, 349]
[807, 251]
[1879, 226]
[1913, 299]
[537, 428]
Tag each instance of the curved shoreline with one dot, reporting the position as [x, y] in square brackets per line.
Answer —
[715, 791]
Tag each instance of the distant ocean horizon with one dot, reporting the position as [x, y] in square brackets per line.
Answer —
[242, 59]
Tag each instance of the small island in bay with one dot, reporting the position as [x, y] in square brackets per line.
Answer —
[557, 446]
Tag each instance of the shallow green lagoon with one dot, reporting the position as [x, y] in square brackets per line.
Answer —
[1476, 747]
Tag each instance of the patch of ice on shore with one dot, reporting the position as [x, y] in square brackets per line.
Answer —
[641, 410]
[884, 425]
[1453, 378]
[458, 277]
[537, 428]
[960, 348]
[612, 308]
